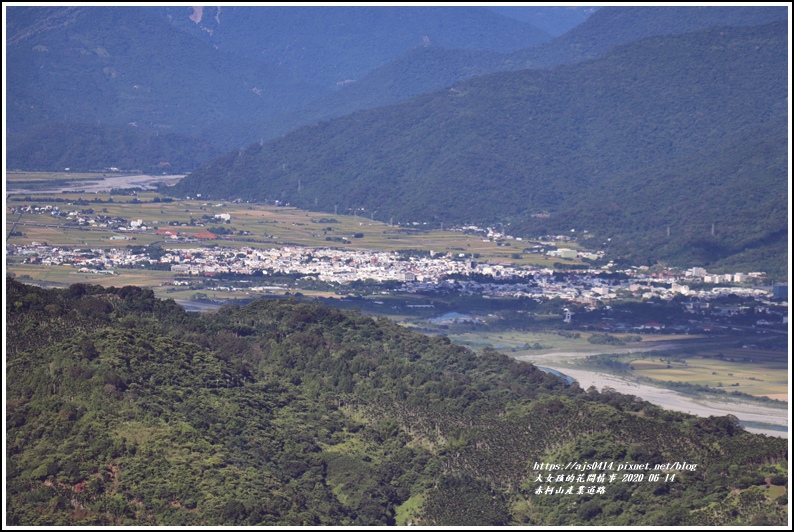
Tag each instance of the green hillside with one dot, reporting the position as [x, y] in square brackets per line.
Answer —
[124, 66]
[740, 196]
[53, 146]
[125, 410]
[333, 45]
[612, 26]
[661, 116]
[427, 68]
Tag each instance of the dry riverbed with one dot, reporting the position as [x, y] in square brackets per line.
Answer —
[98, 183]
[565, 363]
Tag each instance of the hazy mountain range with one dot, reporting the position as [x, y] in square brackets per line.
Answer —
[234, 75]
[169, 88]
[171, 70]
[615, 146]
[427, 68]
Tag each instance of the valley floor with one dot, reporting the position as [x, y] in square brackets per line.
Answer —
[565, 363]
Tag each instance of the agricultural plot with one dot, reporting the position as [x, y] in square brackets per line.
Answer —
[257, 226]
[62, 276]
[520, 343]
[751, 371]
[254, 226]
[527, 343]
[85, 182]
[13, 177]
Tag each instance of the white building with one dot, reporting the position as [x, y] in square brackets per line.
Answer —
[696, 272]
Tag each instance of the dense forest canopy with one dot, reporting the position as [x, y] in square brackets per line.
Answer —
[125, 409]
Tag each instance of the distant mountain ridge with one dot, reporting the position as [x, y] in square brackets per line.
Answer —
[418, 71]
[504, 146]
[122, 65]
[554, 20]
[129, 67]
[334, 45]
[221, 80]
[613, 26]
[424, 69]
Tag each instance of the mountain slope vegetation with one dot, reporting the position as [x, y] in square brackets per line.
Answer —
[613, 26]
[568, 141]
[231, 75]
[122, 65]
[125, 409]
[54, 146]
[426, 68]
[418, 71]
[334, 45]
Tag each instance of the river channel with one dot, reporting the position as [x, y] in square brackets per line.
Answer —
[101, 184]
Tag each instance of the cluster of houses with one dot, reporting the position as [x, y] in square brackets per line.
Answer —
[586, 288]
[325, 264]
[82, 218]
[438, 272]
[174, 235]
[86, 260]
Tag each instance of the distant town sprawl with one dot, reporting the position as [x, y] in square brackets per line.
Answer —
[417, 273]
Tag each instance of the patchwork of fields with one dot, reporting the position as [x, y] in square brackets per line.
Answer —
[751, 371]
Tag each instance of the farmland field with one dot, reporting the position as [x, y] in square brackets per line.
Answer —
[14, 178]
[58, 182]
[751, 371]
[266, 225]
[254, 226]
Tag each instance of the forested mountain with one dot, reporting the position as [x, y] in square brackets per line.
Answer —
[612, 26]
[232, 75]
[123, 65]
[421, 70]
[125, 410]
[654, 117]
[335, 45]
[174, 71]
[53, 146]
[424, 69]
[554, 20]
